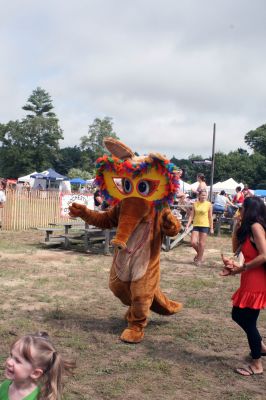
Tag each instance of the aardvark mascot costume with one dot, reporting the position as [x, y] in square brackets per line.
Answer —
[139, 190]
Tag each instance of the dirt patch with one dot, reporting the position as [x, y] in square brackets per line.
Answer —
[190, 355]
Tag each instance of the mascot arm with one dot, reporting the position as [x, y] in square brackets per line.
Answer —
[170, 225]
[104, 220]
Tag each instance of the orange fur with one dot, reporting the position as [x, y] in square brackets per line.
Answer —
[142, 294]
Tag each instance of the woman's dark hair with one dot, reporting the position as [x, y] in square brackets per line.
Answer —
[254, 210]
[202, 177]
[238, 189]
[3, 183]
[222, 193]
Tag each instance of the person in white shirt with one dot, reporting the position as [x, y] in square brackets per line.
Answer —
[221, 202]
[2, 195]
[2, 200]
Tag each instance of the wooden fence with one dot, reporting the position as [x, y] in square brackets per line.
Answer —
[24, 210]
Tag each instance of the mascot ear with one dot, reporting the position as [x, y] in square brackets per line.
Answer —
[118, 149]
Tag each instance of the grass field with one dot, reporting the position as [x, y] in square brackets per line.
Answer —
[190, 355]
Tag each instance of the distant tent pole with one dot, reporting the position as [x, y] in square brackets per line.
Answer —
[213, 159]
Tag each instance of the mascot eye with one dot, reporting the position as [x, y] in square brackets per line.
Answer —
[144, 188]
[147, 187]
[127, 186]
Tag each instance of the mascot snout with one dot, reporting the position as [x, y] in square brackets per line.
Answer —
[133, 211]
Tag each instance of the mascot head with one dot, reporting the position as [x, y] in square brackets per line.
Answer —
[123, 175]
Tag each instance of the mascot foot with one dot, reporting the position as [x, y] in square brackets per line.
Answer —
[132, 335]
[127, 314]
[176, 307]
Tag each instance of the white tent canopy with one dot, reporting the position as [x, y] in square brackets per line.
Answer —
[61, 186]
[228, 186]
[27, 178]
[184, 186]
[194, 186]
[36, 183]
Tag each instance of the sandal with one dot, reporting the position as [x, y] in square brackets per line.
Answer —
[247, 371]
[198, 263]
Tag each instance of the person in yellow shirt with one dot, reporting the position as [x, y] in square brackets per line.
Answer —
[201, 216]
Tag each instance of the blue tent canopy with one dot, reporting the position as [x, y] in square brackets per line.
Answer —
[77, 181]
[50, 175]
[260, 192]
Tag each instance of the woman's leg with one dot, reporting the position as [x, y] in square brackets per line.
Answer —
[195, 242]
[202, 243]
[246, 318]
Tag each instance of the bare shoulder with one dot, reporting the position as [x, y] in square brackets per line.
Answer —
[257, 227]
[258, 230]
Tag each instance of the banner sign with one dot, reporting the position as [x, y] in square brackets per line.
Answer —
[67, 199]
[206, 162]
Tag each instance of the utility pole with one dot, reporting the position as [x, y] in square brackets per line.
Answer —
[213, 159]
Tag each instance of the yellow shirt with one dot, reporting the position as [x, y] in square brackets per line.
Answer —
[201, 216]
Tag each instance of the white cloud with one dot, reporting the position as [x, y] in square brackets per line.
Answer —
[165, 71]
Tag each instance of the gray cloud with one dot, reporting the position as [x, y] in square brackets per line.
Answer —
[165, 71]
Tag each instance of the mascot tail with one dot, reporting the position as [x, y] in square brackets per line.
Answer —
[162, 305]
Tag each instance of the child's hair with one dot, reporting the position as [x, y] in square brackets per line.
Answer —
[40, 352]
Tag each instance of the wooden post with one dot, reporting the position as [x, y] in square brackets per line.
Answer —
[213, 159]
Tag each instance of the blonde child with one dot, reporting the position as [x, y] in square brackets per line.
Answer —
[34, 370]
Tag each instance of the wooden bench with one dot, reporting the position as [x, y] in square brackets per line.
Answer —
[68, 225]
[89, 239]
[49, 232]
[170, 242]
[219, 220]
[95, 235]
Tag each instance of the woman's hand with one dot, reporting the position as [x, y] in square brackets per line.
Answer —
[230, 267]
[237, 269]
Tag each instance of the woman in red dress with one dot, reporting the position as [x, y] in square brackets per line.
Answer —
[250, 298]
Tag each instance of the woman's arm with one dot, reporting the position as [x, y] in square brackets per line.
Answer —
[191, 217]
[258, 233]
[210, 219]
[229, 202]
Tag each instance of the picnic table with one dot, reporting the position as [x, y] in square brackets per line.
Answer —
[180, 211]
[58, 228]
[68, 225]
[73, 233]
[48, 232]
[95, 235]
[220, 219]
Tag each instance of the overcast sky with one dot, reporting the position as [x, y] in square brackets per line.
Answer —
[164, 70]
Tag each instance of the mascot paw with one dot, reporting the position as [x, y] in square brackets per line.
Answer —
[167, 219]
[176, 307]
[132, 335]
[77, 210]
[118, 244]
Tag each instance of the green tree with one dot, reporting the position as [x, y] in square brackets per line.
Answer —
[33, 143]
[39, 104]
[79, 173]
[42, 128]
[256, 139]
[15, 154]
[191, 170]
[69, 157]
[92, 145]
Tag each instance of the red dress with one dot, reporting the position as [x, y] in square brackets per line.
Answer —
[252, 291]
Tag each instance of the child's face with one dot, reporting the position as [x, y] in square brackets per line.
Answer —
[17, 368]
